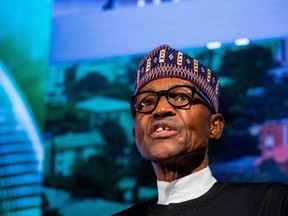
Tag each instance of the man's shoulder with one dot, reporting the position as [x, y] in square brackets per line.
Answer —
[259, 185]
[138, 209]
[260, 188]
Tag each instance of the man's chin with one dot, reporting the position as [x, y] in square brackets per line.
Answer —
[162, 151]
[162, 158]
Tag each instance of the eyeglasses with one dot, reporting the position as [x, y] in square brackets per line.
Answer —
[177, 96]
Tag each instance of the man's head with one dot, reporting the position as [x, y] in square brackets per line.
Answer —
[164, 61]
[175, 106]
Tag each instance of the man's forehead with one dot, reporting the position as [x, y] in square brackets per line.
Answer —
[164, 84]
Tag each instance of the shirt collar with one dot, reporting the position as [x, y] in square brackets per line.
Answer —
[186, 188]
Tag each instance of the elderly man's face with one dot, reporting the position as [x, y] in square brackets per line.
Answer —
[169, 133]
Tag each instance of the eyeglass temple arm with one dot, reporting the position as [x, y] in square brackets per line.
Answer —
[207, 102]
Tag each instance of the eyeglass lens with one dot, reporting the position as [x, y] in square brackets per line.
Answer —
[178, 96]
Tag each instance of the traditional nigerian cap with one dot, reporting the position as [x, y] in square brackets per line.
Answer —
[165, 61]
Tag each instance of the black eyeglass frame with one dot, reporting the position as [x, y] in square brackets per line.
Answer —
[165, 93]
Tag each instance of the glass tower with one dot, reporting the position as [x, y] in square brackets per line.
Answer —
[21, 153]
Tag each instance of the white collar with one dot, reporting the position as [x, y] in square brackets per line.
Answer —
[186, 188]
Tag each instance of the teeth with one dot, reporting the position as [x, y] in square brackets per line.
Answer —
[162, 129]
[159, 129]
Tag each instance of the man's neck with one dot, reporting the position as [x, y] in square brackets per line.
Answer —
[175, 169]
[186, 188]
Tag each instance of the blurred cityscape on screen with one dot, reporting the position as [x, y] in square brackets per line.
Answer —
[67, 70]
[89, 147]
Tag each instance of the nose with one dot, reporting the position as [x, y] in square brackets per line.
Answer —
[163, 108]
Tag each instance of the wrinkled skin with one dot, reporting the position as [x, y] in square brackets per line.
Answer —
[175, 140]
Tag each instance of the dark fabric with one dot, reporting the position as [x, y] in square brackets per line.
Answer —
[225, 199]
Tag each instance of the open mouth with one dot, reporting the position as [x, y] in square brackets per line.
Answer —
[161, 130]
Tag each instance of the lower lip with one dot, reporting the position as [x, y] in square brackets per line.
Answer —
[163, 134]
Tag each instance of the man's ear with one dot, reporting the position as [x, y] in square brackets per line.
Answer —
[217, 126]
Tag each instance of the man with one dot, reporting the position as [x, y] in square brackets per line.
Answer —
[175, 111]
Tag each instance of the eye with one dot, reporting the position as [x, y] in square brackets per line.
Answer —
[182, 97]
[179, 97]
[146, 103]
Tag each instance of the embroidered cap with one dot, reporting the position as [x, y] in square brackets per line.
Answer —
[165, 61]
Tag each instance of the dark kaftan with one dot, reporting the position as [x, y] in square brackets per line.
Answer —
[224, 199]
